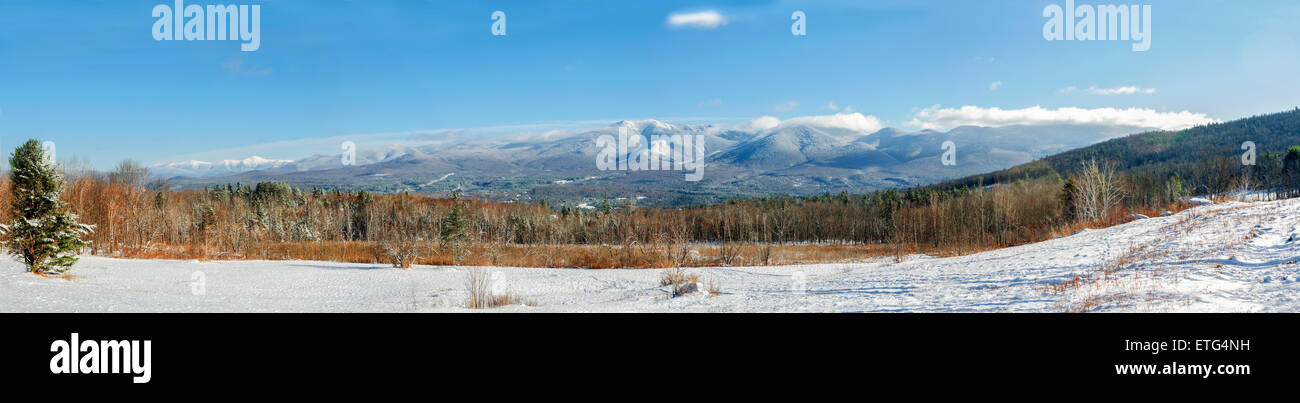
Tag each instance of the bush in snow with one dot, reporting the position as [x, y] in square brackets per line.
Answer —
[41, 234]
[485, 291]
[680, 283]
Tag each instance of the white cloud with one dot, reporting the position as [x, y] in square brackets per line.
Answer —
[936, 117]
[1127, 90]
[760, 124]
[703, 19]
[786, 107]
[993, 86]
[851, 121]
[848, 121]
[1066, 90]
[836, 107]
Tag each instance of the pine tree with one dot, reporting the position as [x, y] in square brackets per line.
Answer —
[453, 231]
[1067, 200]
[44, 236]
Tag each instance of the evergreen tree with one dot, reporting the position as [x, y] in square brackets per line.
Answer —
[453, 231]
[1067, 200]
[360, 220]
[1174, 189]
[42, 235]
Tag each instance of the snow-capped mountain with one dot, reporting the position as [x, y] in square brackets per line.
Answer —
[801, 155]
[201, 169]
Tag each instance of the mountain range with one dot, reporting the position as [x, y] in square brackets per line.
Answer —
[798, 158]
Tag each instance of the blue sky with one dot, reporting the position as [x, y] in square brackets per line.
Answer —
[89, 76]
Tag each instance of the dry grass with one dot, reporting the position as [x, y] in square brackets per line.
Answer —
[64, 276]
[1137, 275]
[713, 287]
[676, 276]
[680, 282]
[1057, 288]
[478, 288]
[648, 255]
[550, 256]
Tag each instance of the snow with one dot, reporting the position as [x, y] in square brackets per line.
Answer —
[1226, 257]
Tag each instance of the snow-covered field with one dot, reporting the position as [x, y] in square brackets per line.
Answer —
[1229, 257]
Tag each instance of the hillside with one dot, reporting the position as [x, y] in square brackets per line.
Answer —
[1207, 158]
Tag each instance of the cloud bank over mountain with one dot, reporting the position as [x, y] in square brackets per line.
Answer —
[937, 117]
[847, 121]
[842, 124]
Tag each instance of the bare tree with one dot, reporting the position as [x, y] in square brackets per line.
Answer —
[499, 240]
[1097, 190]
[129, 173]
[1242, 186]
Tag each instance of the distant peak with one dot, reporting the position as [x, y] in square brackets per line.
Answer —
[254, 161]
[889, 131]
[642, 124]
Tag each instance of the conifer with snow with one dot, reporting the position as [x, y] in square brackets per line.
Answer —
[41, 234]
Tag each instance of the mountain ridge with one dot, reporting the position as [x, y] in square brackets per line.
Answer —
[798, 158]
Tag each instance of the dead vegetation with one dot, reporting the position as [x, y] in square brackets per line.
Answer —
[483, 291]
[680, 282]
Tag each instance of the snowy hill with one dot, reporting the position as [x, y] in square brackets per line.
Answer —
[1227, 257]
